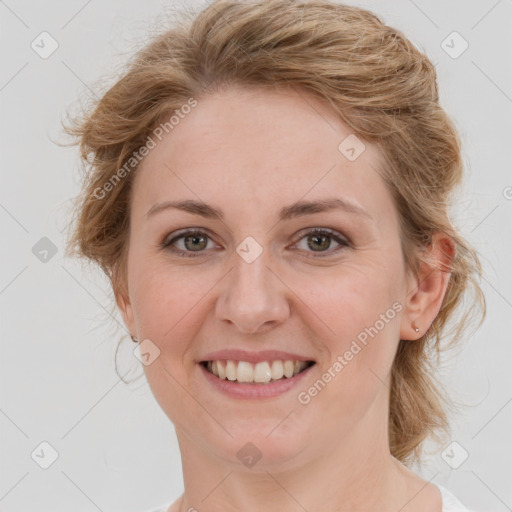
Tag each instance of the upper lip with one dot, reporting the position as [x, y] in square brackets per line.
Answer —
[253, 357]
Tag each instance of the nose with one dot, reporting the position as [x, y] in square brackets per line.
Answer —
[252, 297]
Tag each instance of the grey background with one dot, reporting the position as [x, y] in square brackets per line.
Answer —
[117, 450]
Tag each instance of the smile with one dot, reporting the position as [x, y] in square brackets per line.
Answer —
[263, 372]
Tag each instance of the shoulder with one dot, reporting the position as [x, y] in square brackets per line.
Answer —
[450, 502]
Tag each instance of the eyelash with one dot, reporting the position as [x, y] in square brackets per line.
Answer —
[316, 231]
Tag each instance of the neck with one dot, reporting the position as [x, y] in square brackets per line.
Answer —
[356, 474]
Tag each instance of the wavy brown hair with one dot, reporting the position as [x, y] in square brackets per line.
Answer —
[381, 86]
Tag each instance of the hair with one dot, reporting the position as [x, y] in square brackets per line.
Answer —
[381, 86]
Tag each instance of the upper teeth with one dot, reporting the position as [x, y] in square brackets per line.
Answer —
[264, 371]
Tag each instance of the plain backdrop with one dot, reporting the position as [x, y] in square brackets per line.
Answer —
[115, 449]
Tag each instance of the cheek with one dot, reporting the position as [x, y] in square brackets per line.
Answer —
[363, 311]
[169, 305]
[352, 299]
[361, 305]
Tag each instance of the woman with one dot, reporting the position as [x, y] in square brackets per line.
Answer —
[268, 191]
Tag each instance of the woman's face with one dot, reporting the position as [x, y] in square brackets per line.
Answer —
[258, 280]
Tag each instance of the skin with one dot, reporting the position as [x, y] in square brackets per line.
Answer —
[250, 153]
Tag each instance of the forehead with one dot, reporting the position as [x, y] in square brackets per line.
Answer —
[288, 124]
[261, 146]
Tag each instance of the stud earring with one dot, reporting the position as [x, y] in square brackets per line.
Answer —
[415, 328]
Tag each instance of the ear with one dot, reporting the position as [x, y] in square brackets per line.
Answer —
[125, 307]
[426, 289]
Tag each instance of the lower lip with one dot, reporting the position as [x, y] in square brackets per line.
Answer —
[248, 391]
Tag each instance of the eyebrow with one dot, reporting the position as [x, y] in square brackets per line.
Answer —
[297, 209]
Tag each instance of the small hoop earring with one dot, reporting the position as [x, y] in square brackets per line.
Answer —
[134, 338]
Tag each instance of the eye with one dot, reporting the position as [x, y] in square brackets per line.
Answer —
[194, 241]
[319, 240]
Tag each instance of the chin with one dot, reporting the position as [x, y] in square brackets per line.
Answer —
[264, 445]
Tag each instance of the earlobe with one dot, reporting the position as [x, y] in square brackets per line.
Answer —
[424, 300]
[125, 307]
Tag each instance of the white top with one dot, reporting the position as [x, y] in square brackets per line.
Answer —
[450, 503]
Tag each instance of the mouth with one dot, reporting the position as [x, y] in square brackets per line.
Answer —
[263, 372]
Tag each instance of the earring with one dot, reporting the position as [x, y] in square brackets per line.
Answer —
[416, 329]
[134, 338]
